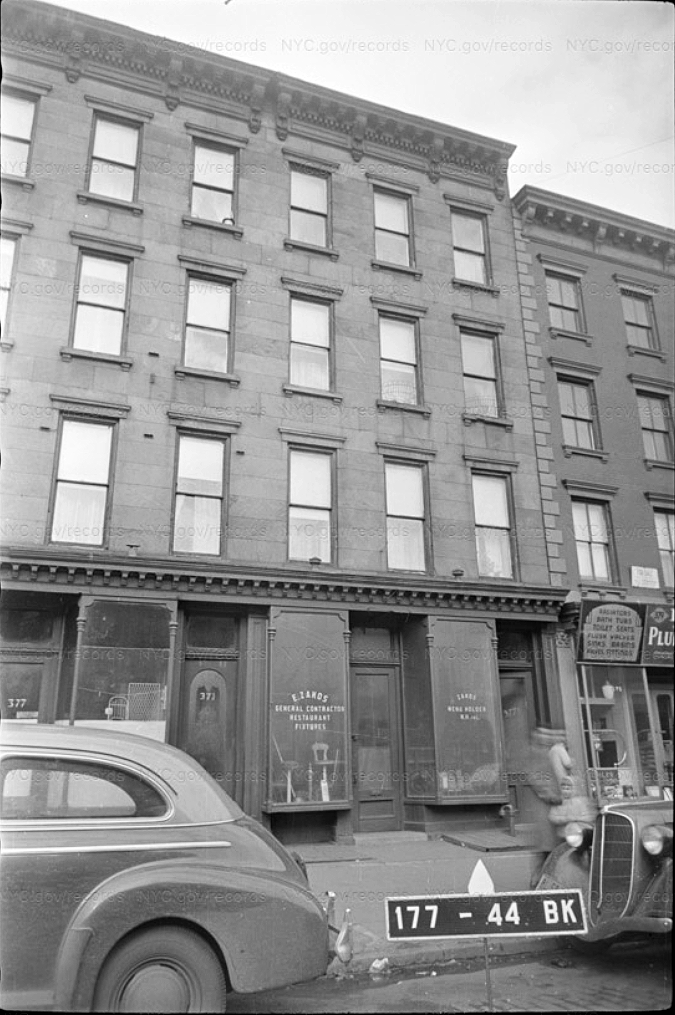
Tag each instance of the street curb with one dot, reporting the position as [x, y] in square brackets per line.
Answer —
[402, 954]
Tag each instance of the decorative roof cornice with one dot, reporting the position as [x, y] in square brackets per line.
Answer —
[180, 74]
[97, 571]
[601, 226]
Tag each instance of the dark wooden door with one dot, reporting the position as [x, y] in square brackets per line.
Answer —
[376, 739]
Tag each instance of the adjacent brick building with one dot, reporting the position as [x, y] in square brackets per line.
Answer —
[602, 291]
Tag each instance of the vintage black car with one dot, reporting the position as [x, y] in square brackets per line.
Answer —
[131, 882]
[624, 867]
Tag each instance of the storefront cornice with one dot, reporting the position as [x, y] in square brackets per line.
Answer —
[101, 572]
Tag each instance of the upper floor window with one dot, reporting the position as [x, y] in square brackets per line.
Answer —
[493, 526]
[114, 159]
[309, 207]
[17, 119]
[665, 536]
[481, 385]
[656, 426]
[392, 228]
[591, 534]
[101, 305]
[310, 506]
[82, 483]
[398, 360]
[577, 413]
[213, 184]
[7, 255]
[404, 485]
[208, 325]
[564, 305]
[469, 248]
[310, 344]
[638, 313]
[197, 523]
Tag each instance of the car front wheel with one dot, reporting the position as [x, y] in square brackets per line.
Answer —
[162, 970]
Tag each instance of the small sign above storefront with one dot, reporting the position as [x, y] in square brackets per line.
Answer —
[637, 633]
[644, 577]
[657, 649]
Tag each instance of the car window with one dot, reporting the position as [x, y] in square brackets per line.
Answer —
[49, 788]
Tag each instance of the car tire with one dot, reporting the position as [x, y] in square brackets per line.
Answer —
[167, 969]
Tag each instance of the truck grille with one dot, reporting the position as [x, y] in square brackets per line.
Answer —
[611, 867]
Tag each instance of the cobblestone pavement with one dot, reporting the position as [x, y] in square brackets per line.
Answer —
[627, 978]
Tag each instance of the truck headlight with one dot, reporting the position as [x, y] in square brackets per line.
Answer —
[657, 839]
[578, 835]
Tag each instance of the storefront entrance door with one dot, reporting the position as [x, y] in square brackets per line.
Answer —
[209, 717]
[655, 746]
[376, 737]
[517, 720]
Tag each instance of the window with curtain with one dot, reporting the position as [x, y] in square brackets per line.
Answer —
[310, 344]
[197, 524]
[404, 486]
[493, 526]
[82, 483]
[310, 506]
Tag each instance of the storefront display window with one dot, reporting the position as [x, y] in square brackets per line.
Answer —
[123, 658]
[308, 759]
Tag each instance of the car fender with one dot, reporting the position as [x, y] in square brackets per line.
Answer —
[566, 867]
[223, 903]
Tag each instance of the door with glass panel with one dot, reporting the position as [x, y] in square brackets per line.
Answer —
[376, 738]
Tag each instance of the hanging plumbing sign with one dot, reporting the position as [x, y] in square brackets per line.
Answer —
[628, 633]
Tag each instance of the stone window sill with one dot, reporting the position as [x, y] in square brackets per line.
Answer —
[481, 287]
[580, 336]
[208, 375]
[637, 350]
[68, 353]
[87, 197]
[404, 269]
[569, 450]
[655, 463]
[473, 417]
[310, 248]
[19, 181]
[293, 389]
[421, 410]
[219, 227]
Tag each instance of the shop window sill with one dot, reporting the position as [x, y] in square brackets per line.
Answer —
[310, 248]
[68, 353]
[220, 227]
[87, 197]
[208, 375]
[403, 269]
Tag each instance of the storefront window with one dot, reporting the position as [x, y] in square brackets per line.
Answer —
[308, 744]
[123, 665]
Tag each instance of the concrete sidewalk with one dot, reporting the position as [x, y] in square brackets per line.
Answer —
[363, 875]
